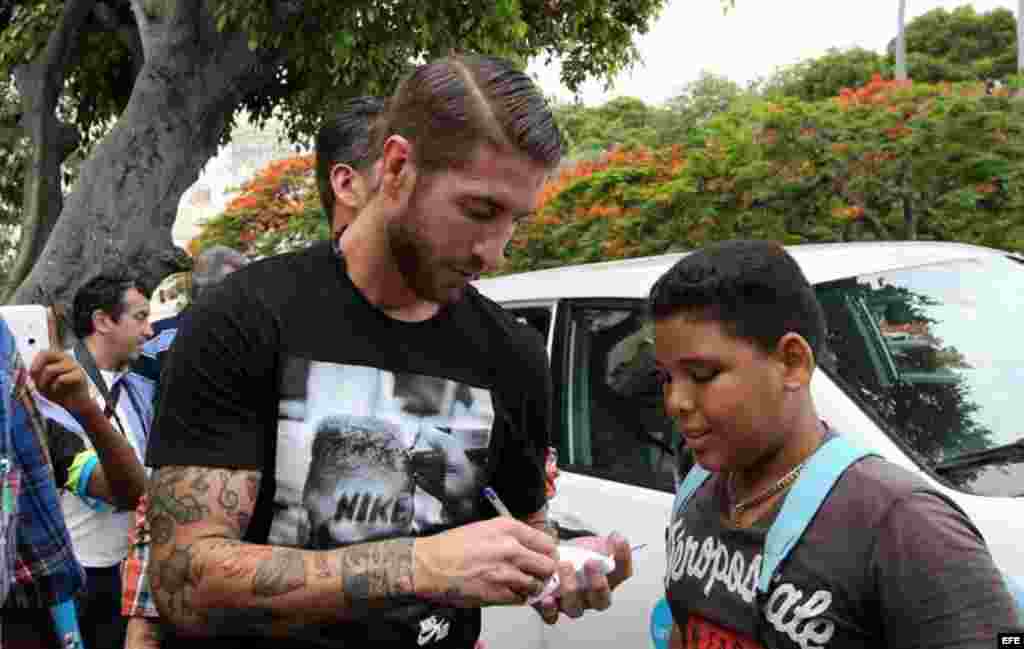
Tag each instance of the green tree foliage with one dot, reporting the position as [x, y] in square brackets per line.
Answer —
[99, 82]
[629, 123]
[886, 160]
[361, 49]
[962, 45]
[12, 155]
[624, 122]
[958, 45]
[705, 97]
[823, 77]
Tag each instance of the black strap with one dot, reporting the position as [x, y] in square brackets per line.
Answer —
[88, 363]
[135, 404]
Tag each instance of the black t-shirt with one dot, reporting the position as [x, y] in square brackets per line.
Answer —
[363, 427]
[886, 562]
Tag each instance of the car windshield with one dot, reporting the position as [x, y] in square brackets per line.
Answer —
[933, 351]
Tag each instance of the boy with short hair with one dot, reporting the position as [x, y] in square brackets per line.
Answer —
[886, 560]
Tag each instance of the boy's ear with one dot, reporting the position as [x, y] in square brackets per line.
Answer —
[797, 360]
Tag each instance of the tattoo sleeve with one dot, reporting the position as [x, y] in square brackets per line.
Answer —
[284, 573]
[206, 581]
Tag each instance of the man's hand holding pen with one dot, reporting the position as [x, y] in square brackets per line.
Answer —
[578, 591]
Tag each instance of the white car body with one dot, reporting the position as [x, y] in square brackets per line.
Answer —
[604, 505]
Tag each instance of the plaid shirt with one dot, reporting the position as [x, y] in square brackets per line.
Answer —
[45, 569]
[10, 473]
[136, 598]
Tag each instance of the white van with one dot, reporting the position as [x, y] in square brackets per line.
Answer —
[925, 367]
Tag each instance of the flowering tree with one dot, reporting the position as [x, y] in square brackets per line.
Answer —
[277, 211]
[886, 160]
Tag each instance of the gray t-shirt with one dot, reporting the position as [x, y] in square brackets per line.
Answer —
[886, 562]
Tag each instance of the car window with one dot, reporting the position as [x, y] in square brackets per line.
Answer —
[933, 353]
[616, 423]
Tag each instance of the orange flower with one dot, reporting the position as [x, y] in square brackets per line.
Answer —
[604, 211]
[897, 132]
[613, 247]
[852, 212]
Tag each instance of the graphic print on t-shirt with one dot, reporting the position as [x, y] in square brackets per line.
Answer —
[365, 453]
[715, 575]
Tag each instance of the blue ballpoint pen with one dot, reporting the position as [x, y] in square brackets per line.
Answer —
[499, 506]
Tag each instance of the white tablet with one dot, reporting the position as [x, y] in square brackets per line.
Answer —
[31, 329]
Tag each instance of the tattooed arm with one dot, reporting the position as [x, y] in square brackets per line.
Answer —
[205, 580]
[208, 582]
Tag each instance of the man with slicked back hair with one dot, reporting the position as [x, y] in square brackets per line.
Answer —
[304, 494]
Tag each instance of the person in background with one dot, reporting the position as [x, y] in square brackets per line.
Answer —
[211, 266]
[40, 578]
[104, 477]
[342, 162]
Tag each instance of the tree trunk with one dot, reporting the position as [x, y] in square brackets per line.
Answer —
[1020, 36]
[39, 85]
[123, 206]
[907, 199]
[51, 143]
[909, 218]
[901, 43]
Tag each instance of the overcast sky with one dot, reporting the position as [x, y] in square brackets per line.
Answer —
[749, 41]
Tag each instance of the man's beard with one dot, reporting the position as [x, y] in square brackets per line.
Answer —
[422, 268]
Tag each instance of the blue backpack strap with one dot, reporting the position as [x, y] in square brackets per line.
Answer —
[693, 480]
[809, 491]
[65, 625]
